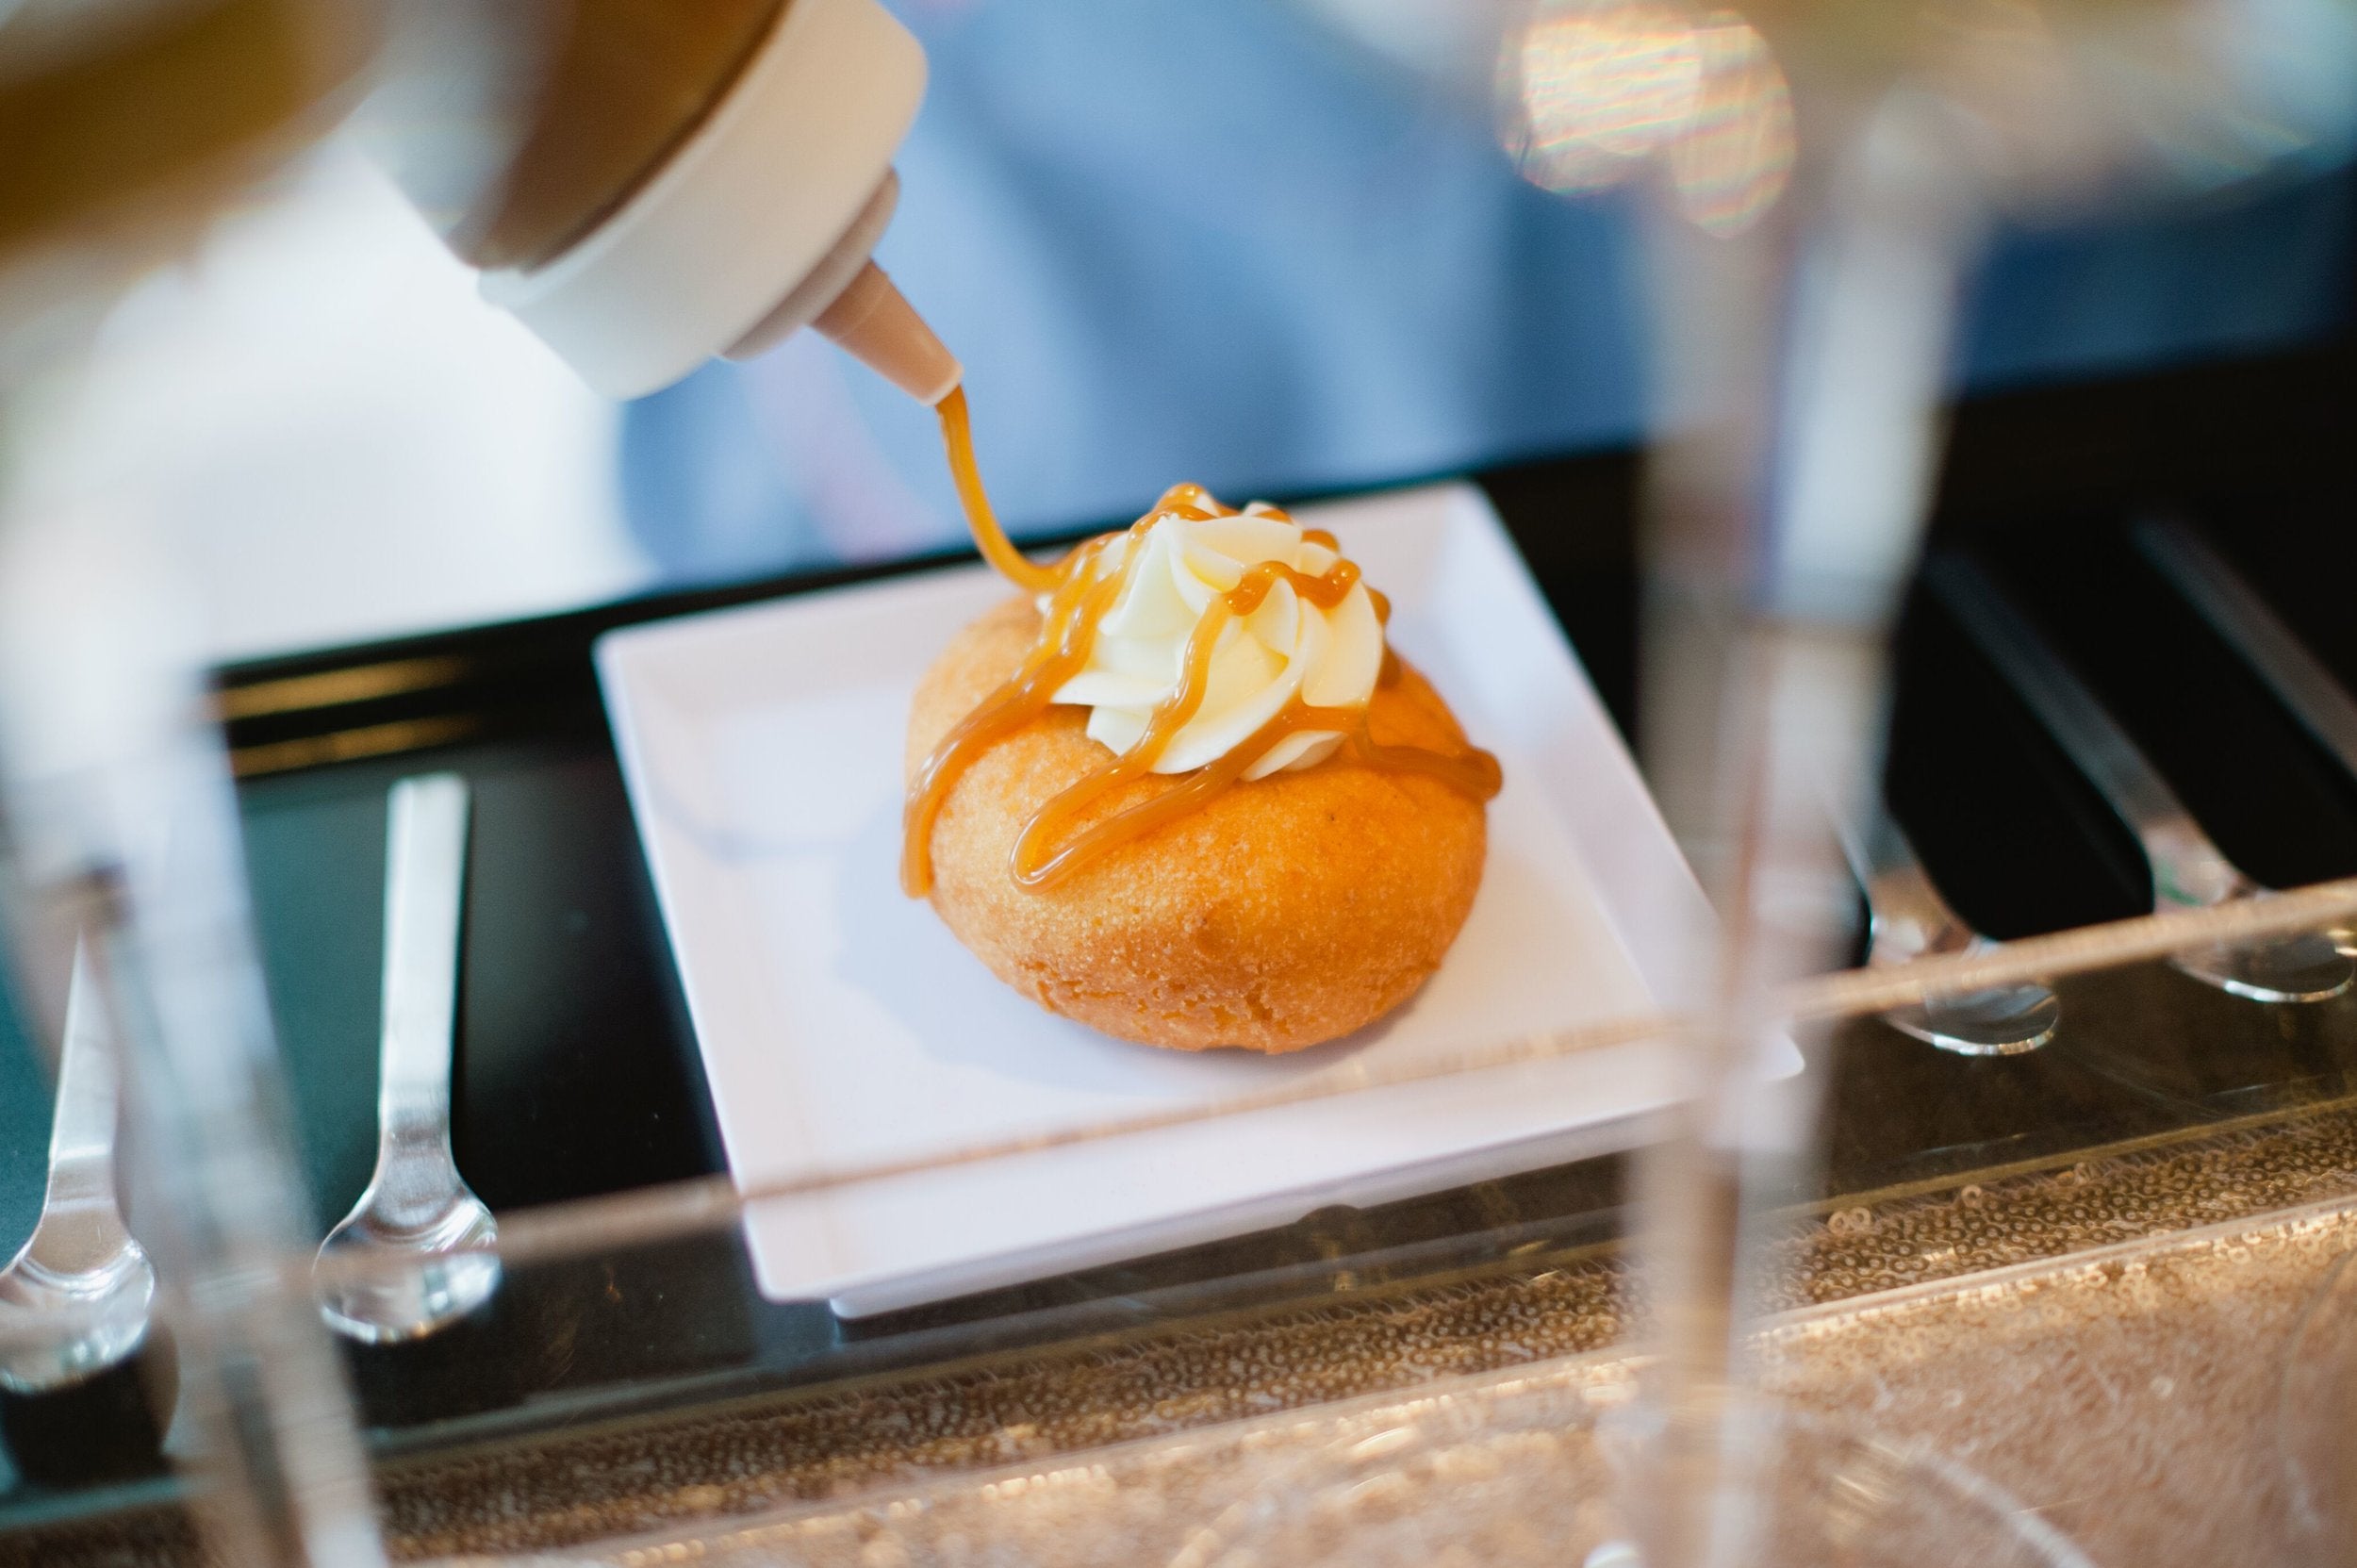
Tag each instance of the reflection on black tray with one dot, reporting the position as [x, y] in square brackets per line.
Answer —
[2279, 807]
[2015, 837]
[2019, 840]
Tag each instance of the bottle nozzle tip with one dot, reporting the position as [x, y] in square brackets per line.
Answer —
[876, 326]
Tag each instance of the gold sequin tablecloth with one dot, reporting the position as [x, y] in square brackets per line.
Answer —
[2106, 1338]
[2145, 1361]
[2127, 1391]
[2097, 1392]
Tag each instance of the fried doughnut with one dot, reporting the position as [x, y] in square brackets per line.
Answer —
[1285, 911]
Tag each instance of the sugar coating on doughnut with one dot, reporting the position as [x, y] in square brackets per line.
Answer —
[1286, 912]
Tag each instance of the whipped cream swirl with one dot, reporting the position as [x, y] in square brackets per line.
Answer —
[1286, 648]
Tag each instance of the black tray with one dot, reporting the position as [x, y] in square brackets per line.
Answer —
[578, 1076]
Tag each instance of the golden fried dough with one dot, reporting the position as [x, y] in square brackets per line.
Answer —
[1287, 910]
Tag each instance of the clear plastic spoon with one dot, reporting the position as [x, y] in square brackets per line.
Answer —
[1907, 919]
[2249, 625]
[76, 1300]
[2188, 869]
[423, 1234]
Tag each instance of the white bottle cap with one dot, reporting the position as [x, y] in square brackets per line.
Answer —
[771, 184]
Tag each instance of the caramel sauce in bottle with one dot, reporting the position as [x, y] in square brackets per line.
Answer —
[1080, 594]
[625, 83]
[105, 108]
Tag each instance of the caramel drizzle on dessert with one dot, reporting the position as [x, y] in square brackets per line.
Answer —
[1078, 595]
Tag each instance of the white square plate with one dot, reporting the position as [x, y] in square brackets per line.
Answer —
[841, 1023]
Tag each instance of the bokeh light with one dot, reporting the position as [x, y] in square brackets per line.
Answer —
[1600, 87]
[1591, 92]
[1734, 159]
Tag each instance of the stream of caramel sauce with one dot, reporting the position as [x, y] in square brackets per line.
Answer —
[1079, 596]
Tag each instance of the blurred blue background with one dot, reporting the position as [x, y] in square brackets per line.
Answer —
[1220, 240]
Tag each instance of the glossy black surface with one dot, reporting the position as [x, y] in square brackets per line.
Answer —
[2278, 806]
[2019, 842]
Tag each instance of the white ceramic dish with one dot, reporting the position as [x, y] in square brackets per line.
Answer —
[841, 1023]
